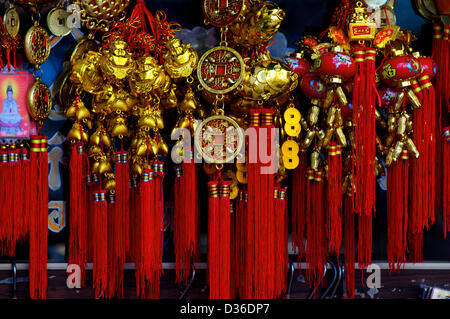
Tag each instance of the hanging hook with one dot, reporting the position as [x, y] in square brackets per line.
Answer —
[311, 295]
[188, 287]
[340, 270]
[332, 282]
[291, 279]
[14, 268]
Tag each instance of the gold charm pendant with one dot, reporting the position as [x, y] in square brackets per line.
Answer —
[37, 44]
[39, 100]
[11, 21]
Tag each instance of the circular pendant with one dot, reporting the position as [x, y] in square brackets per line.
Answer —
[221, 70]
[241, 167]
[242, 177]
[57, 22]
[292, 130]
[291, 162]
[221, 13]
[290, 148]
[39, 100]
[37, 45]
[11, 22]
[218, 139]
[82, 48]
[292, 115]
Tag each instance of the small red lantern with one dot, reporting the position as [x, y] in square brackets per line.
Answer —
[388, 97]
[313, 87]
[298, 64]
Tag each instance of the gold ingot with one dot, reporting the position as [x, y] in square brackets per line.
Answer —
[313, 115]
[290, 148]
[77, 133]
[170, 101]
[242, 177]
[397, 150]
[380, 120]
[105, 167]
[329, 97]
[414, 99]
[327, 138]
[95, 150]
[391, 123]
[338, 121]
[163, 149]
[71, 112]
[291, 162]
[341, 137]
[390, 157]
[315, 160]
[189, 103]
[341, 96]
[399, 103]
[149, 76]
[159, 121]
[292, 115]
[147, 122]
[83, 114]
[412, 149]
[331, 115]
[137, 168]
[401, 126]
[308, 139]
[116, 62]
[180, 59]
[100, 137]
[390, 139]
[94, 167]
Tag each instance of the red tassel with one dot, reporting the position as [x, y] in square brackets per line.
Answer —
[397, 212]
[134, 209]
[150, 234]
[224, 228]
[316, 245]
[298, 206]
[38, 217]
[446, 178]
[186, 219]
[6, 200]
[334, 198]
[213, 240]
[78, 210]
[349, 246]
[281, 241]
[241, 233]
[23, 213]
[100, 237]
[364, 94]
[123, 204]
[92, 183]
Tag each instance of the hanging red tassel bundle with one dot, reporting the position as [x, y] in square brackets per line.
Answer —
[349, 245]
[281, 241]
[224, 231]
[92, 187]
[6, 199]
[316, 245]
[78, 222]
[23, 213]
[364, 122]
[100, 245]
[123, 204]
[213, 240]
[134, 214]
[38, 217]
[334, 199]
[186, 219]
[299, 206]
[397, 212]
[446, 178]
[241, 232]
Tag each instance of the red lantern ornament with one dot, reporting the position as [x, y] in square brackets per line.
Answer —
[298, 64]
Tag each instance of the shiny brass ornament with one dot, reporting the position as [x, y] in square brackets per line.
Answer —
[116, 62]
[242, 177]
[57, 22]
[86, 73]
[37, 44]
[82, 48]
[39, 100]
[290, 148]
[241, 166]
[292, 115]
[222, 13]
[77, 133]
[149, 76]
[180, 60]
[98, 14]
[11, 21]
[293, 130]
[234, 192]
[291, 162]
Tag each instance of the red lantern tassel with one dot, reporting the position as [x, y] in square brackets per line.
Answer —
[299, 182]
[186, 219]
[446, 178]
[38, 217]
[349, 246]
[397, 212]
[281, 241]
[78, 210]
[123, 204]
[25, 201]
[241, 233]
[213, 240]
[364, 94]
[92, 186]
[334, 198]
[100, 237]
[134, 208]
[316, 245]
[224, 229]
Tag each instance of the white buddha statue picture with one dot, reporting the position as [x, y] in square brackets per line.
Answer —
[10, 119]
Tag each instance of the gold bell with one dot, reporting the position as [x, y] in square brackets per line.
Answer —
[189, 103]
[77, 133]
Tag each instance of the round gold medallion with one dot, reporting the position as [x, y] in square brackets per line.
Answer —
[290, 148]
[242, 177]
[221, 70]
[292, 115]
[221, 13]
[291, 162]
[234, 192]
[11, 22]
[57, 22]
[39, 100]
[241, 167]
[37, 45]
[292, 130]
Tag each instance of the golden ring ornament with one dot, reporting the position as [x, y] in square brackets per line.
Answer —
[220, 70]
[39, 100]
[11, 22]
[218, 139]
[57, 22]
[37, 44]
[221, 13]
